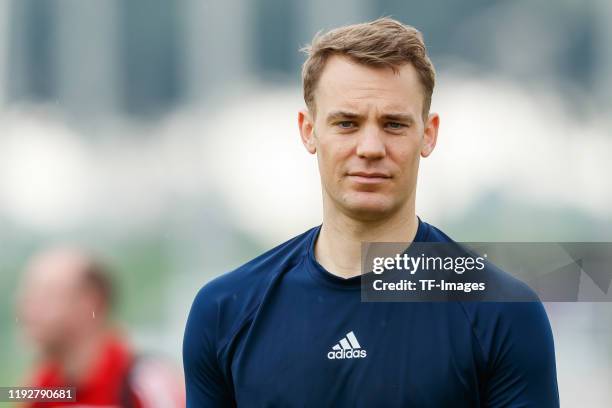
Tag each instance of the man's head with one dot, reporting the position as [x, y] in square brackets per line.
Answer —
[367, 89]
[64, 295]
[381, 43]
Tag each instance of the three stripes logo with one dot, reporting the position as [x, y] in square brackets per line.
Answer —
[347, 347]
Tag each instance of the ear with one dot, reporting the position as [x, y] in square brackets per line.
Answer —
[306, 125]
[430, 134]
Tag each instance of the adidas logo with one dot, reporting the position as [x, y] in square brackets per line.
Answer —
[347, 347]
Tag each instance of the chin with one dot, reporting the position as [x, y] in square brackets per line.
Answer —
[368, 207]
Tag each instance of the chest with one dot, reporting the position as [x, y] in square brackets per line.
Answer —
[349, 353]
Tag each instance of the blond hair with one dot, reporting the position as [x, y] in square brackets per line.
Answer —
[384, 42]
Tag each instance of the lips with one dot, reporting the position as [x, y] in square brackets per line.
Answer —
[363, 177]
[369, 175]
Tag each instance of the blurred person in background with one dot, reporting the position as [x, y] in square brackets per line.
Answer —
[64, 307]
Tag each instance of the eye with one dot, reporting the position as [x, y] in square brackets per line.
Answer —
[345, 124]
[395, 125]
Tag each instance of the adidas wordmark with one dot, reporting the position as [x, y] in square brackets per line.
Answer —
[347, 347]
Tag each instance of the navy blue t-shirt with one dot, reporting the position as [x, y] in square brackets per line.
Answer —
[281, 331]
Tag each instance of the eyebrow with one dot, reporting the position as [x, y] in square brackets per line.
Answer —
[395, 116]
[342, 115]
[400, 117]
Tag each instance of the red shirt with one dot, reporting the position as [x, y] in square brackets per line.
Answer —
[104, 384]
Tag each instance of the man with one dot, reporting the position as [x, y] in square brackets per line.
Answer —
[64, 308]
[262, 334]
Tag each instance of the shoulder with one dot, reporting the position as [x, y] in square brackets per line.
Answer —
[500, 284]
[235, 295]
[508, 332]
[433, 234]
[255, 274]
[514, 336]
[510, 308]
[517, 345]
[501, 321]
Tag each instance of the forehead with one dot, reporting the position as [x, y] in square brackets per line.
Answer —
[59, 269]
[346, 84]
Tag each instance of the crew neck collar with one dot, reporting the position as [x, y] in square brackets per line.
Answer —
[322, 275]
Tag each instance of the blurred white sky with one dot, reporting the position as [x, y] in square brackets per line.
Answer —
[247, 154]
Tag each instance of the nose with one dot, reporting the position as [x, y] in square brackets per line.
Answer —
[370, 144]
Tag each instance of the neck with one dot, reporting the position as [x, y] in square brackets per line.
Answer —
[338, 246]
[77, 358]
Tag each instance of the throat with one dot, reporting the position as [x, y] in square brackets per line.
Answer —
[338, 248]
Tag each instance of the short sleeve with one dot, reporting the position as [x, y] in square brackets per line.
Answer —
[522, 366]
[204, 381]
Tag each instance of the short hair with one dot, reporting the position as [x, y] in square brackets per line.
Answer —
[384, 42]
[97, 277]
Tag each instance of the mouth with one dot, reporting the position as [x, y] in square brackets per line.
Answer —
[368, 177]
